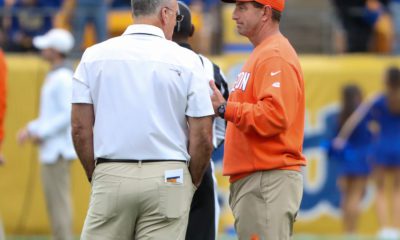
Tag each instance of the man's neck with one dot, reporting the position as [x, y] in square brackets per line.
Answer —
[57, 62]
[148, 21]
[182, 41]
[265, 32]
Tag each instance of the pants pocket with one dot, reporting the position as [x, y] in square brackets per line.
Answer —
[174, 200]
[292, 221]
[104, 199]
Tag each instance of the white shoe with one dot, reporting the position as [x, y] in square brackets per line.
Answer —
[388, 234]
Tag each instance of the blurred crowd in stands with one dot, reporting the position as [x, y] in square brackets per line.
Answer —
[362, 25]
[369, 25]
[21, 20]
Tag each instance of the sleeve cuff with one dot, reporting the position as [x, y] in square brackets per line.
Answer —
[86, 100]
[200, 113]
[31, 127]
[230, 112]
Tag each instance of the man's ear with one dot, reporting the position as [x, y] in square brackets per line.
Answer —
[191, 31]
[163, 16]
[267, 13]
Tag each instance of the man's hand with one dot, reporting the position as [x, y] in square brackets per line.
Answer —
[22, 136]
[338, 143]
[216, 98]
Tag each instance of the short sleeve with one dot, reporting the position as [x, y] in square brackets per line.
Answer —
[199, 100]
[80, 86]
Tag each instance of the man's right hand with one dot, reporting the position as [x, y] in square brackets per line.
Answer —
[22, 136]
[216, 98]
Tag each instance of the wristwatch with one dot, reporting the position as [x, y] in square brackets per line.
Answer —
[221, 110]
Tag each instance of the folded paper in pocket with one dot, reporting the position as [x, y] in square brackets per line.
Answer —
[174, 176]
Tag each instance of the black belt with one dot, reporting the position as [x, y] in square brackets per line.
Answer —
[106, 160]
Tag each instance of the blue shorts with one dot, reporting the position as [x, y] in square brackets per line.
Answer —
[355, 162]
[386, 159]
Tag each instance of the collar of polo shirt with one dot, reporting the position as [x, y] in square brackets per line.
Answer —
[145, 30]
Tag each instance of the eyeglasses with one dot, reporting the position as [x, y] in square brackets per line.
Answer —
[179, 17]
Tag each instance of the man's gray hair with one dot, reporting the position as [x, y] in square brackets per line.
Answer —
[145, 7]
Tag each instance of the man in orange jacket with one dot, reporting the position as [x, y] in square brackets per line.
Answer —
[3, 76]
[264, 138]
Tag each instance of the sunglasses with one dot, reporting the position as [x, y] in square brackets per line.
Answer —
[179, 17]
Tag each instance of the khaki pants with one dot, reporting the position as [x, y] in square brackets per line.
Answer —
[133, 201]
[265, 204]
[56, 184]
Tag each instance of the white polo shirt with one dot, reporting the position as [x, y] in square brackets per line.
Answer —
[53, 126]
[142, 87]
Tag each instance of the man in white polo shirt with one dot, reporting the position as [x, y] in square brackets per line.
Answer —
[51, 131]
[141, 110]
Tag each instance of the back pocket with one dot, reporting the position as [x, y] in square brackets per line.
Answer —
[104, 199]
[174, 200]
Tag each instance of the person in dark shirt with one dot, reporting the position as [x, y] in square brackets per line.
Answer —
[204, 210]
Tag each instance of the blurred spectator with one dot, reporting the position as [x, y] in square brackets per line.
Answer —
[383, 117]
[394, 7]
[89, 11]
[358, 19]
[212, 12]
[207, 15]
[2, 33]
[353, 159]
[29, 18]
[55, 4]
[3, 77]
[121, 3]
[2, 236]
[5, 20]
[51, 131]
[382, 28]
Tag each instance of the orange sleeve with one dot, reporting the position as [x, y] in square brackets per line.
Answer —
[277, 89]
[3, 76]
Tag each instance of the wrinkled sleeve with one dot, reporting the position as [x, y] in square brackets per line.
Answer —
[62, 119]
[198, 100]
[80, 84]
[277, 89]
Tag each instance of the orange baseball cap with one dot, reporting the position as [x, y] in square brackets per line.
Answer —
[275, 4]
